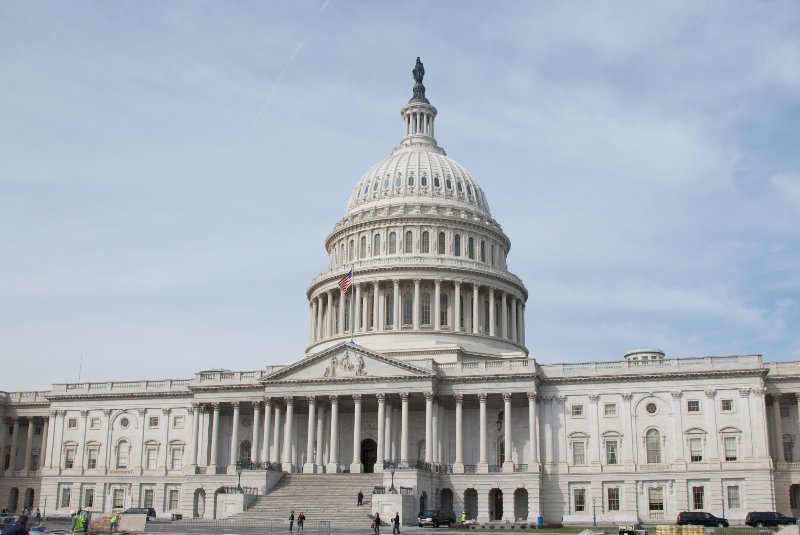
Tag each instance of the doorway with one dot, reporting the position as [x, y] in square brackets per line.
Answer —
[496, 504]
[369, 454]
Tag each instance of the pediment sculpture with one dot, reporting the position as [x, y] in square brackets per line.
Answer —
[345, 366]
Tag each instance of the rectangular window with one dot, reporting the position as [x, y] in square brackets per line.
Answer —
[177, 422]
[788, 451]
[579, 497]
[578, 453]
[148, 498]
[693, 405]
[34, 460]
[695, 450]
[37, 430]
[613, 499]
[610, 410]
[726, 405]
[88, 498]
[730, 448]
[72, 423]
[118, 498]
[69, 458]
[734, 499]
[698, 497]
[94, 423]
[176, 462]
[577, 411]
[173, 499]
[611, 452]
[655, 498]
[785, 411]
[152, 421]
[65, 495]
[91, 458]
[150, 458]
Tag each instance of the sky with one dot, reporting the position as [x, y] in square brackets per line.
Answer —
[169, 171]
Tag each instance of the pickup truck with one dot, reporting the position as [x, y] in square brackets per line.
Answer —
[436, 518]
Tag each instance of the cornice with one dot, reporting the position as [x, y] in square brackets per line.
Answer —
[687, 374]
[120, 395]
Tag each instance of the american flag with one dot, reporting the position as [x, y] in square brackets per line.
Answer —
[346, 282]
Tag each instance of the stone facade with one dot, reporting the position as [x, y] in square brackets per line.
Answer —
[421, 367]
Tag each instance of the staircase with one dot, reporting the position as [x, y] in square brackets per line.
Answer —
[330, 497]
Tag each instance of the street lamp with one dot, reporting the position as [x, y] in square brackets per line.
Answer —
[392, 468]
[594, 511]
[499, 422]
[239, 483]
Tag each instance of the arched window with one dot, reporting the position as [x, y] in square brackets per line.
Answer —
[457, 245]
[123, 454]
[408, 308]
[376, 245]
[244, 451]
[440, 245]
[492, 254]
[425, 246]
[443, 309]
[352, 250]
[426, 308]
[486, 317]
[408, 243]
[483, 251]
[392, 243]
[653, 444]
[363, 252]
[471, 248]
[389, 309]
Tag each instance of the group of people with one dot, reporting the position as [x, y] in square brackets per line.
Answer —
[80, 521]
[301, 520]
[376, 523]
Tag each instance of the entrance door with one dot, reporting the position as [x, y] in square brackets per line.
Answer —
[496, 504]
[369, 454]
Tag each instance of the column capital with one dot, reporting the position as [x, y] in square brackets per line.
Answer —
[561, 399]
[215, 405]
[490, 291]
[52, 414]
[141, 412]
[404, 396]
[235, 404]
[506, 396]
[396, 281]
[458, 283]
[357, 398]
[594, 398]
[289, 400]
[166, 411]
[428, 396]
[476, 287]
[533, 396]
[334, 400]
[202, 408]
[627, 396]
[711, 393]
[267, 400]
[437, 282]
[676, 394]
[758, 392]
[312, 400]
[381, 397]
[459, 398]
[85, 413]
[417, 282]
[376, 284]
[482, 397]
[745, 393]
[256, 405]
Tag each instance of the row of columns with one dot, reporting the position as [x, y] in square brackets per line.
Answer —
[368, 310]
[274, 450]
[12, 439]
[774, 401]
[418, 122]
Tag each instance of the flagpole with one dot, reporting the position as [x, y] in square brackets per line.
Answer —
[353, 302]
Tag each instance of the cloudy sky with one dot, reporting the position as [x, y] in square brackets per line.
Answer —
[169, 171]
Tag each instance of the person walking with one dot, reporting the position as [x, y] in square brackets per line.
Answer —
[376, 525]
[291, 521]
[114, 522]
[18, 527]
[360, 497]
[396, 523]
[301, 519]
[77, 522]
[38, 515]
[85, 521]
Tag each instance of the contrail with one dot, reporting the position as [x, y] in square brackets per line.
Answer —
[298, 47]
[325, 5]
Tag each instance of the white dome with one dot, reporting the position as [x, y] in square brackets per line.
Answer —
[419, 174]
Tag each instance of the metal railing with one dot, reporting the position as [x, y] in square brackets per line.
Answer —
[248, 465]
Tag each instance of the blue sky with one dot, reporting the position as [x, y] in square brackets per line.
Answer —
[169, 171]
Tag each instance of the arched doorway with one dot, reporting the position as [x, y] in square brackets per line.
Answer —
[423, 501]
[28, 501]
[471, 503]
[369, 454]
[13, 499]
[521, 504]
[446, 500]
[495, 504]
[199, 508]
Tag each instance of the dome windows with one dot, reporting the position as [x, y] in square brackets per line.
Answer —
[457, 245]
[423, 181]
[366, 189]
[376, 184]
[386, 183]
[408, 243]
[392, 243]
[376, 245]
[459, 186]
[469, 191]
[425, 242]
[411, 180]
[440, 245]
[398, 180]
[448, 183]
[436, 182]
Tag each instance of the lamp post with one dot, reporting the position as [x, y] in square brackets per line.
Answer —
[594, 511]
[239, 483]
[392, 468]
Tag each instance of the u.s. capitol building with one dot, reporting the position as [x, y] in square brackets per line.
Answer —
[421, 369]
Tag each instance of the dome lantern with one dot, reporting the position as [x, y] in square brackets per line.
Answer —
[418, 116]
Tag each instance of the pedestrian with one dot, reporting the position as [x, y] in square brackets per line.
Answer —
[38, 515]
[377, 524]
[85, 521]
[18, 527]
[77, 521]
[396, 522]
[301, 519]
[291, 521]
[360, 497]
[114, 522]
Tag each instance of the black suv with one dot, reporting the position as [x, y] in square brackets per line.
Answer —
[699, 518]
[149, 511]
[436, 518]
[759, 519]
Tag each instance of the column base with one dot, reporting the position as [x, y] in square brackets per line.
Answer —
[482, 468]
[308, 468]
[356, 468]
[534, 467]
[508, 467]
[378, 468]
[319, 469]
[287, 467]
[211, 469]
[458, 468]
[332, 468]
[231, 469]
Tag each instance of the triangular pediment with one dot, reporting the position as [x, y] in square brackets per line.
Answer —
[347, 362]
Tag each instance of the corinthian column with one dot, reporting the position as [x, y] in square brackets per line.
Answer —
[234, 453]
[476, 321]
[437, 305]
[333, 462]
[256, 451]
[404, 427]
[457, 307]
[492, 318]
[214, 439]
[415, 311]
[381, 431]
[508, 463]
[308, 467]
[483, 465]
[287, 435]
[265, 443]
[533, 438]
[356, 320]
[458, 465]
[428, 427]
[356, 467]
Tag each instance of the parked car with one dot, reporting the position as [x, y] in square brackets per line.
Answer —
[149, 511]
[700, 518]
[436, 518]
[760, 519]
